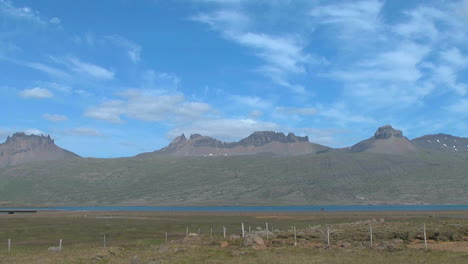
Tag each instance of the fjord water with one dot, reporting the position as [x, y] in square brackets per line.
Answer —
[304, 208]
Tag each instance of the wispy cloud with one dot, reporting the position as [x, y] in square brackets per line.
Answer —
[283, 55]
[308, 111]
[133, 49]
[89, 69]
[55, 117]
[36, 92]
[460, 107]
[350, 17]
[150, 106]
[83, 131]
[22, 13]
[251, 101]
[109, 111]
[55, 20]
[53, 71]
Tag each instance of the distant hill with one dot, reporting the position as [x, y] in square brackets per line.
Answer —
[258, 142]
[384, 169]
[386, 140]
[442, 142]
[21, 148]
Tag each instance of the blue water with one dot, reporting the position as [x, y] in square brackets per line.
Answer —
[314, 208]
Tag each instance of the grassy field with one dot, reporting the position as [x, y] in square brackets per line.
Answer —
[397, 237]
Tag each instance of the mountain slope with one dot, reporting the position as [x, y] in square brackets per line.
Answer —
[386, 140]
[328, 178]
[258, 142]
[442, 142]
[21, 148]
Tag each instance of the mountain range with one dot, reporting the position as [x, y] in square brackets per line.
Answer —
[263, 168]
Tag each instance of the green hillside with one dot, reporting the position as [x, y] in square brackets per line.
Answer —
[332, 177]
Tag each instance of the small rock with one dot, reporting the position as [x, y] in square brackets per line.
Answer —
[193, 235]
[346, 245]
[135, 260]
[382, 220]
[252, 239]
[339, 243]
[55, 249]
[234, 236]
[258, 228]
[224, 244]
[163, 249]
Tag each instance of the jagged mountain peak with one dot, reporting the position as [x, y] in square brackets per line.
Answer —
[257, 142]
[33, 139]
[179, 140]
[20, 148]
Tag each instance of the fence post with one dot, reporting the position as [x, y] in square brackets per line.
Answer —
[371, 236]
[243, 231]
[186, 231]
[425, 237]
[166, 237]
[295, 237]
[9, 245]
[211, 231]
[224, 231]
[266, 227]
[328, 236]
[60, 245]
[104, 241]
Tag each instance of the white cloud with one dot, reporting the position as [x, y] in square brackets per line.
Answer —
[341, 115]
[160, 80]
[255, 114]
[109, 111]
[225, 21]
[454, 57]
[48, 69]
[297, 110]
[89, 69]
[20, 13]
[36, 92]
[283, 55]
[350, 18]
[55, 20]
[251, 101]
[84, 131]
[133, 49]
[460, 107]
[33, 131]
[150, 106]
[55, 117]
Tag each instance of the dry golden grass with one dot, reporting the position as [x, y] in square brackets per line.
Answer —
[142, 234]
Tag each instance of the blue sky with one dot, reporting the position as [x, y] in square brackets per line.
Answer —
[117, 78]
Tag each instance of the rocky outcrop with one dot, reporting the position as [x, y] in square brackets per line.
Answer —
[264, 137]
[387, 131]
[21, 148]
[385, 140]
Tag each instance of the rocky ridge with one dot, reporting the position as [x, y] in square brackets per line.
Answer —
[21, 148]
[257, 142]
